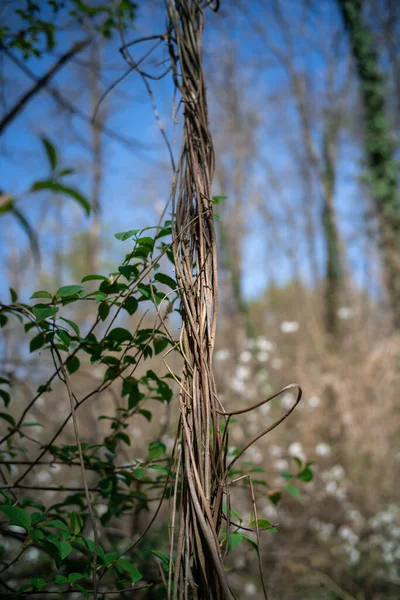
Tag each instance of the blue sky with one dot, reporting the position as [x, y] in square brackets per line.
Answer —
[137, 182]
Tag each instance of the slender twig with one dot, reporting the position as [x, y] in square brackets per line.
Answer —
[40, 82]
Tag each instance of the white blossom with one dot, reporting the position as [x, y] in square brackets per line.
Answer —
[337, 472]
[250, 589]
[265, 345]
[346, 313]
[331, 487]
[242, 373]
[101, 509]
[263, 356]
[314, 401]
[296, 449]
[275, 451]
[255, 455]
[251, 344]
[43, 476]
[277, 364]
[354, 556]
[222, 354]
[32, 554]
[238, 385]
[287, 400]
[289, 326]
[346, 533]
[245, 356]
[341, 494]
[323, 449]
[265, 408]
[281, 464]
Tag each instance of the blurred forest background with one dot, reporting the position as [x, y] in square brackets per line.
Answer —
[308, 243]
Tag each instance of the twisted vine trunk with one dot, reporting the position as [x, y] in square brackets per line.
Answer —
[198, 564]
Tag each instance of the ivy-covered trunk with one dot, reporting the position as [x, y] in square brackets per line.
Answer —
[333, 270]
[379, 148]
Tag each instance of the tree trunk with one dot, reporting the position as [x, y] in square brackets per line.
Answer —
[379, 148]
[333, 270]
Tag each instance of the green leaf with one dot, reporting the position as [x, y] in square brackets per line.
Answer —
[129, 271]
[234, 540]
[94, 278]
[18, 516]
[110, 557]
[103, 310]
[38, 582]
[250, 541]
[262, 524]
[293, 491]
[37, 342]
[64, 549]
[98, 296]
[119, 334]
[163, 557]
[156, 450]
[76, 522]
[134, 574]
[219, 199]
[305, 475]
[37, 516]
[73, 325]
[131, 305]
[298, 461]
[75, 577]
[234, 513]
[286, 476]
[63, 189]
[148, 242]
[41, 294]
[44, 388]
[159, 468]
[125, 235]
[91, 545]
[69, 290]
[166, 280]
[6, 397]
[51, 152]
[82, 589]
[146, 414]
[37, 534]
[30, 232]
[22, 588]
[60, 579]
[57, 524]
[138, 473]
[72, 364]
[65, 172]
[275, 497]
[160, 344]
[7, 418]
[64, 337]
[44, 311]
[124, 437]
[14, 295]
